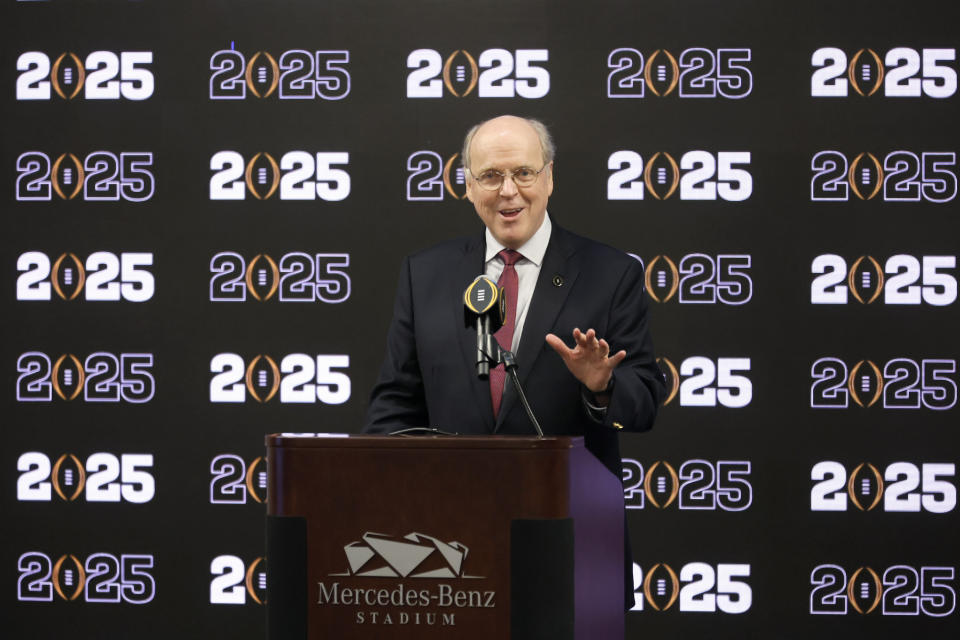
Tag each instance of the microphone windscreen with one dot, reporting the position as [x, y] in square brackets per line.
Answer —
[483, 298]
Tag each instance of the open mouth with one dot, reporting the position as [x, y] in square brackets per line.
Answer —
[511, 213]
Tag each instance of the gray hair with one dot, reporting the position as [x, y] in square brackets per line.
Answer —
[547, 148]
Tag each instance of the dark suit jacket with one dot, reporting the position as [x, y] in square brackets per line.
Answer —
[429, 376]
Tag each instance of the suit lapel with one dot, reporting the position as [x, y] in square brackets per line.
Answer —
[548, 299]
[470, 266]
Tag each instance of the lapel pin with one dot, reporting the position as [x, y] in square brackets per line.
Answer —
[558, 280]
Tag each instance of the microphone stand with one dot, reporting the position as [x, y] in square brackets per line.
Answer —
[510, 364]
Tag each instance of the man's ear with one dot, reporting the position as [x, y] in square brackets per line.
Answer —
[471, 185]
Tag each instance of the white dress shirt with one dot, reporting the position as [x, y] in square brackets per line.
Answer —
[528, 270]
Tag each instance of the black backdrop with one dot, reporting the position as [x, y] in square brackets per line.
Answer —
[802, 479]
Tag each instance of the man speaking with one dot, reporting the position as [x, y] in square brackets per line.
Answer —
[576, 315]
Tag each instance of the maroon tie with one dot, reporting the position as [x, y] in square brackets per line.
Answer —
[510, 283]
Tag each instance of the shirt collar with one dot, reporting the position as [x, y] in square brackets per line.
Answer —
[533, 249]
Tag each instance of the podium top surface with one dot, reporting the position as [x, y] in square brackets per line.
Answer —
[352, 441]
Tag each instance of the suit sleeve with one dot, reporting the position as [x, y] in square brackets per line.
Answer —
[398, 399]
[638, 382]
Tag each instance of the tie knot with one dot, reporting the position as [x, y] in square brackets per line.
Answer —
[510, 257]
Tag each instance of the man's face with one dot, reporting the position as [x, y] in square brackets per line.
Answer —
[513, 214]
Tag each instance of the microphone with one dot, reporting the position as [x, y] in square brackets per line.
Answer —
[484, 307]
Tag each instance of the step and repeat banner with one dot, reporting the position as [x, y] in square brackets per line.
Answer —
[206, 205]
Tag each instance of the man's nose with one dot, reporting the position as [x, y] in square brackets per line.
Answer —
[509, 187]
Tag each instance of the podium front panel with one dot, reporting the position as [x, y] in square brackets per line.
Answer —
[411, 537]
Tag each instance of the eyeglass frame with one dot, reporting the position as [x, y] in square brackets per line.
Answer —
[512, 174]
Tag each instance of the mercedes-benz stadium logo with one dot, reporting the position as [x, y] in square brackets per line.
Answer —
[415, 555]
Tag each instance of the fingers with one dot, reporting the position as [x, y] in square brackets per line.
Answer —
[592, 343]
[604, 348]
[557, 345]
[588, 342]
[616, 358]
[589, 361]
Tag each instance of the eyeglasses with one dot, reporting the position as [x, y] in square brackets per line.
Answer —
[492, 180]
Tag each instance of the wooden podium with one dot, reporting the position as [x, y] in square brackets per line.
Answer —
[442, 537]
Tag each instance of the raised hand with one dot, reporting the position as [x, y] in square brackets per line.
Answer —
[589, 361]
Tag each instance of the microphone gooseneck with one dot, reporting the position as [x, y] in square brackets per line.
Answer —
[510, 363]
